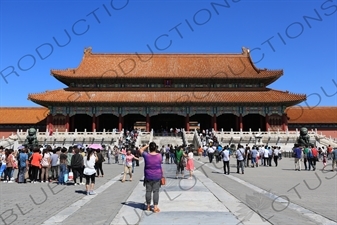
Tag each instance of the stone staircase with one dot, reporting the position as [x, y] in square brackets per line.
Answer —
[10, 142]
[284, 139]
[144, 138]
[323, 140]
[165, 140]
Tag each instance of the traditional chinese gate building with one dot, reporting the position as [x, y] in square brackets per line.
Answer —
[219, 91]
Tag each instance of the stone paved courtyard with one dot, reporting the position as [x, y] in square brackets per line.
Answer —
[263, 195]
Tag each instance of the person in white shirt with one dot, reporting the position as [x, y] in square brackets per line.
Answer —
[190, 163]
[240, 157]
[276, 154]
[90, 171]
[265, 157]
[261, 153]
[225, 157]
[210, 152]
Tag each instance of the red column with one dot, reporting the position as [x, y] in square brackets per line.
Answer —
[215, 124]
[50, 122]
[120, 123]
[187, 122]
[67, 122]
[147, 123]
[93, 122]
[285, 122]
[267, 122]
[240, 121]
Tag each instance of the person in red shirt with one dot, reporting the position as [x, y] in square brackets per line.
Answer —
[200, 151]
[314, 159]
[314, 151]
[35, 161]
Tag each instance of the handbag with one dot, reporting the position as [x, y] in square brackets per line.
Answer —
[65, 177]
[128, 164]
[14, 163]
[71, 176]
[184, 162]
[163, 181]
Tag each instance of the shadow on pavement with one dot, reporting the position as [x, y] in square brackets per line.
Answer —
[136, 205]
[81, 192]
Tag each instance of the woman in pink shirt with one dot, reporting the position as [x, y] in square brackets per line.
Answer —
[128, 164]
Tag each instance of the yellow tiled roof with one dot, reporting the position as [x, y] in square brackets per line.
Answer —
[22, 115]
[305, 114]
[164, 97]
[119, 66]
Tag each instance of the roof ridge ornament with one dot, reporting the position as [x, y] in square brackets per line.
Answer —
[245, 50]
[88, 50]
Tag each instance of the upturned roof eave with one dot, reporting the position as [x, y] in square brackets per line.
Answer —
[73, 73]
[47, 103]
[66, 79]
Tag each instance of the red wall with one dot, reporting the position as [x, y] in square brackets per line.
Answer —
[328, 133]
[7, 133]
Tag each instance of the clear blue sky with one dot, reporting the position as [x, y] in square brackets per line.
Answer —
[280, 35]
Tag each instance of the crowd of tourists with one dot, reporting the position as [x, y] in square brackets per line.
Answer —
[310, 155]
[46, 164]
[59, 164]
[244, 156]
[176, 132]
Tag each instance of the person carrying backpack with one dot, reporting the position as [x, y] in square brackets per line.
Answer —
[309, 158]
[312, 154]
